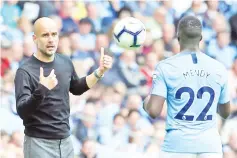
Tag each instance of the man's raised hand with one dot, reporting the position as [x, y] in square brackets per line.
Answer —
[49, 82]
[105, 61]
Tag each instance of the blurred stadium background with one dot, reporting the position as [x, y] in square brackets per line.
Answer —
[108, 121]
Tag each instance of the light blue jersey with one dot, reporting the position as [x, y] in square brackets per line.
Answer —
[193, 85]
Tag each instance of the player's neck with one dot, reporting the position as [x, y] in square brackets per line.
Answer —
[189, 48]
[40, 56]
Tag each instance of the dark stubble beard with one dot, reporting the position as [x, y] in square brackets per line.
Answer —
[45, 53]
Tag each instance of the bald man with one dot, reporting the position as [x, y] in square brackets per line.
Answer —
[42, 86]
[195, 91]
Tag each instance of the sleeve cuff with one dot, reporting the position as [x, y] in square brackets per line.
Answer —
[223, 102]
[83, 81]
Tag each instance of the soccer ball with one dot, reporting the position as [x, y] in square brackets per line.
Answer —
[129, 33]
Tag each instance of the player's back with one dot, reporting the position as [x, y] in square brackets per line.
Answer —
[195, 83]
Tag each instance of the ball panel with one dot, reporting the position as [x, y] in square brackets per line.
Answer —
[126, 40]
[141, 37]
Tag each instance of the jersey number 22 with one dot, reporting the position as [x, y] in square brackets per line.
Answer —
[202, 116]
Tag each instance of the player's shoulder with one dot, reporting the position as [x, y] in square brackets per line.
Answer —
[165, 65]
[212, 61]
[168, 61]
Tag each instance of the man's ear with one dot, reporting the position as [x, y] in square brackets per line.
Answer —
[34, 38]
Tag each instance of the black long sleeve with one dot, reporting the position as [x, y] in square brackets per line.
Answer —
[78, 85]
[46, 113]
[27, 101]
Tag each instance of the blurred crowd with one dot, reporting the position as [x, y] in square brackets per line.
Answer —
[108, 120]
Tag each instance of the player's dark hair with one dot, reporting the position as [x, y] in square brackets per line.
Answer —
[190, 29]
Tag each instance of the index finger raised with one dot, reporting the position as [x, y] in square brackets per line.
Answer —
[41, 72]
[102, 53]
